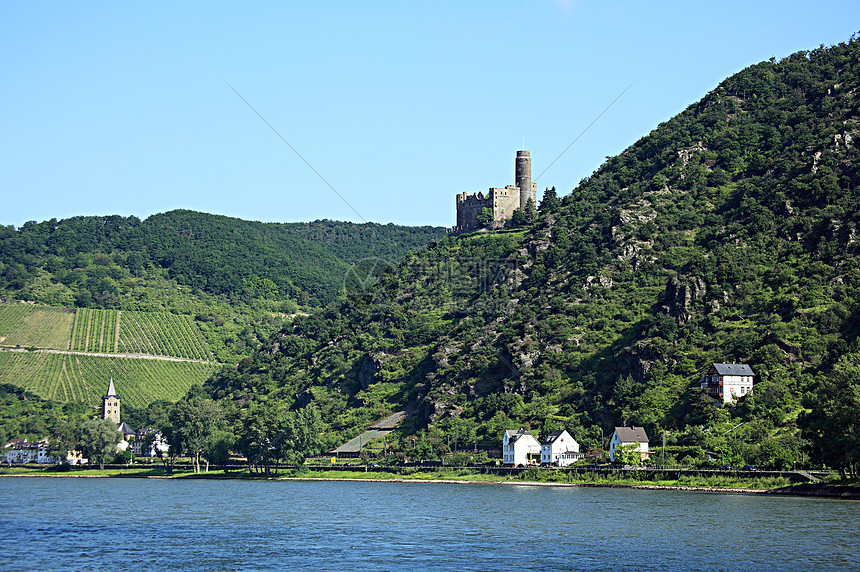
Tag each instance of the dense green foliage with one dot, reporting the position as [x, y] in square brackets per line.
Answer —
[25, 415]
[97, 439]
[728, 234]
[126, 263]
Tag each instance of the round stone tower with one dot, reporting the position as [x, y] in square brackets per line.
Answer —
[523, 174]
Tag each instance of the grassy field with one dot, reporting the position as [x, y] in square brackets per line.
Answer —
[84, 379]
[27, 326]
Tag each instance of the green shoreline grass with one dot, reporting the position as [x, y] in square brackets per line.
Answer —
[447, 475]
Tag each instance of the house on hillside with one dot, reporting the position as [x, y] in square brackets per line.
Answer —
[727, 381]
[626, 436]
[559, 448]
[518, 446]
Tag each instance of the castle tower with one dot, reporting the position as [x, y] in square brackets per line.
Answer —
[110, 404]
[523, 176]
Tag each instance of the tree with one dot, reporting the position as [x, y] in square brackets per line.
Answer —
[833, 417]
[422, 449]
[486, 218]
[62, 441]
[300, 436]
[97, 439]
[217, 448]
[530, 211]
[257, 435]
[519, 217]
[550, 202]
[628, 454]
[192, 421]
[125, 457]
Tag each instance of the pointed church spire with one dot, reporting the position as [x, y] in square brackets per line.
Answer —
[111, 390]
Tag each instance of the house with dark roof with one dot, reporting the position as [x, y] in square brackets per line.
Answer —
[518, 446]
[629, 436]
[559, 448]
[725, 382]
[145, 446]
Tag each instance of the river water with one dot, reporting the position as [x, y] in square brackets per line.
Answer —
[133, 524]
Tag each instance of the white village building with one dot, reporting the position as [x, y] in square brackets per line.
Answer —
[20, 451]
[517, 446]
[626, 436]
[157, 446]
[559, 448]
[728, 381]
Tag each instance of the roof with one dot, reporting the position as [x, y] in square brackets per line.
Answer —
[632, 434]
[111, 391]
[553, 436]
[125, 428]
[733, 369]
[514, 434]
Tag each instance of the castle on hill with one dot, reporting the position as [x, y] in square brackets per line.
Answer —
[502, 201]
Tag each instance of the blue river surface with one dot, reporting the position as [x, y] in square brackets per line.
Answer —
[155, 524]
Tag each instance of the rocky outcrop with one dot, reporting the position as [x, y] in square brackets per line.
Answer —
[680, 295]
[367, 370]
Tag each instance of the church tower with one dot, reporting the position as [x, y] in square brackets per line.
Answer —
[110, 404]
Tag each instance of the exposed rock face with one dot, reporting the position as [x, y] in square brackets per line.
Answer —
[367, 370]
[638, 360]
[679, 296]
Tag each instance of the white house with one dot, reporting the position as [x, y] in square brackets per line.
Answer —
[629, 435]
[727, 381]
[517, 445]
[559, 448]
[21, 451]
[157, 447]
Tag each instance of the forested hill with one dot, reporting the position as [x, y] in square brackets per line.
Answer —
[728, 234]
[92, 261]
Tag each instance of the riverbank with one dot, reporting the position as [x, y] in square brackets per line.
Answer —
[721, 484]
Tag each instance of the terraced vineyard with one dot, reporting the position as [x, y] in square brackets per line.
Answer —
[95, 331]
[152, 333]
[83, 378]
[161, 333]
[26, 325]
[64, 377]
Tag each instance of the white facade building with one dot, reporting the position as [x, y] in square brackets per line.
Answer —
[158, 447]
[559, 448]
[728, 381]
[21, 451]
[517, 445]
[629, 435]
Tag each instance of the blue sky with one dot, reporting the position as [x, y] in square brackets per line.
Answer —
[122, 108]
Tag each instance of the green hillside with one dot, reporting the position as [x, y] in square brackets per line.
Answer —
[174, 259]
[728, 234]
